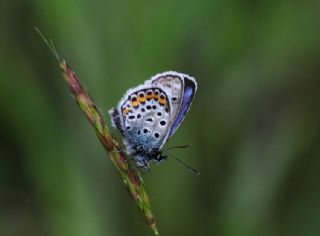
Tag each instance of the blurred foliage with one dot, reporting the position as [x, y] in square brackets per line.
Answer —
[254, 124]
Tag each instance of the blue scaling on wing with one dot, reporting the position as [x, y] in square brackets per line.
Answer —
[144, 118]
[190, 87]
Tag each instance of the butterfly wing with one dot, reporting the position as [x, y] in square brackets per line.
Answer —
[181, 89]
[149, 114]
[190, 87]
[143, 117]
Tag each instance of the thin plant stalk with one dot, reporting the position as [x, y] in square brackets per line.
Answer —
[131, 178]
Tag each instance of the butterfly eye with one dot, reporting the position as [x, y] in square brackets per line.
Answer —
[174, 99]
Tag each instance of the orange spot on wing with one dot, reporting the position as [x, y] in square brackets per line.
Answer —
[142, 99]
[135, 103]
[162, 101]
[125, 111]
[149, 96]
[156, 97]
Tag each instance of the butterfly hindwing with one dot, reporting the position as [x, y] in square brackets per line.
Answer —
[145, 114]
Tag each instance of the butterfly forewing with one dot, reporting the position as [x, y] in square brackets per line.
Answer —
[189, 90]
[180, 89]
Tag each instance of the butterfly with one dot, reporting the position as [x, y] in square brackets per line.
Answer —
[149, 114]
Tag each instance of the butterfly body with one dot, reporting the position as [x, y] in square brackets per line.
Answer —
[149, 114]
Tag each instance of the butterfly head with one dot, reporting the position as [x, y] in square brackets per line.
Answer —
[143, 159]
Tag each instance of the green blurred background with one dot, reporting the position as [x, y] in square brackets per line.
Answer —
[254, 123]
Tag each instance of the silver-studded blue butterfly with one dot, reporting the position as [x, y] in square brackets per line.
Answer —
[148, 115]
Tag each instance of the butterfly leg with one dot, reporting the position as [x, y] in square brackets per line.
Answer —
[142, 165]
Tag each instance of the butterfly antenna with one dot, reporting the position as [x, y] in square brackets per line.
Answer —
[194, 171]
[181, 146]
